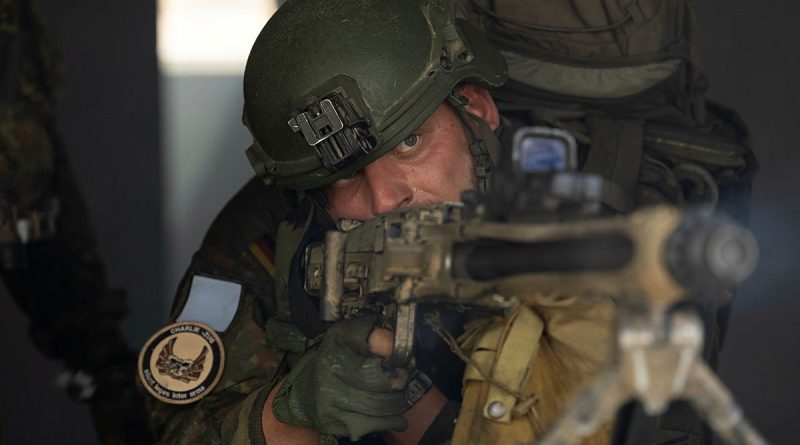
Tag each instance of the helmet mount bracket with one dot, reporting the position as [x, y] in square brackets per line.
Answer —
[338, 133]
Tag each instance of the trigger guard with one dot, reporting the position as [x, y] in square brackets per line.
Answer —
[403, 349]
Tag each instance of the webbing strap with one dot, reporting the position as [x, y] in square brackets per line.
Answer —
[616, 155]
[616, 197]
[480, 145]
[288, 239]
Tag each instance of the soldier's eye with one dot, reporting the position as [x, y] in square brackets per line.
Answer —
[409, 144]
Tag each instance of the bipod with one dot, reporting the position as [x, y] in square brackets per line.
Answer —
[657, 360]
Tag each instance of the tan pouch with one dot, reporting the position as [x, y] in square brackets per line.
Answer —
[517, 351]
[514, 343]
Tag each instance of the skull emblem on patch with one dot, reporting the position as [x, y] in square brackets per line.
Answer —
[185, 370]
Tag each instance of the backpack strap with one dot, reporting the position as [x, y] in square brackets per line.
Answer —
[482, 140]
[616, 155]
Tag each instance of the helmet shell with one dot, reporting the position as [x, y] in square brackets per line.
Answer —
[393, 61]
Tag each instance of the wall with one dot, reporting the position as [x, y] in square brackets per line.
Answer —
[203, 158]
[750, 55]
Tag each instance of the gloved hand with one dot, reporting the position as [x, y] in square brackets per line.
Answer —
[341, 388]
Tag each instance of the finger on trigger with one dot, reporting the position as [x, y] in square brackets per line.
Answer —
[381, 342]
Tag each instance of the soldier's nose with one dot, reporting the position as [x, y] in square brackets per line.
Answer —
[389, 186]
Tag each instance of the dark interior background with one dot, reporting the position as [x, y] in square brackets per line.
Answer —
[110, 124]
[750, 53]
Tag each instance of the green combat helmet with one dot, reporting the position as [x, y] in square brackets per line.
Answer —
[331, 85]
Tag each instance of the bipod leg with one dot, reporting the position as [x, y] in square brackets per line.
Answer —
[713, 401]
[593, 407]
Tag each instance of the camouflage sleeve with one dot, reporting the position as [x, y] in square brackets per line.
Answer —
[231, 413]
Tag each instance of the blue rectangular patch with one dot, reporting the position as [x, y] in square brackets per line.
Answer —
[211, 301]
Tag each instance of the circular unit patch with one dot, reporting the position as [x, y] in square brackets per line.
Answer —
[182, 362]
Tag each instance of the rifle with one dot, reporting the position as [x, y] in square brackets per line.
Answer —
[531, 232]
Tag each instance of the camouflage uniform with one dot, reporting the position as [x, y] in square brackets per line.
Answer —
[260, 349]
[50, 263]
[260, 344]
[232, 412]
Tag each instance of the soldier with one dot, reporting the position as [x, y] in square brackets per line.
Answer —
[356, 109]
[413, 124]
[48, 258]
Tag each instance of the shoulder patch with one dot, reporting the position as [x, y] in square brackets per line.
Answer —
[211, 301]
[181, 363]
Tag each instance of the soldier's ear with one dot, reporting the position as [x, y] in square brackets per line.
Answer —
[480, 103]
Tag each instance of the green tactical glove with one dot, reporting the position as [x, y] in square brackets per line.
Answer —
[342, 389]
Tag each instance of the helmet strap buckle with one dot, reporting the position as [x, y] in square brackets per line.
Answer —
[456, 99]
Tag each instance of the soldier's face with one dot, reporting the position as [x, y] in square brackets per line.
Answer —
[432, 165]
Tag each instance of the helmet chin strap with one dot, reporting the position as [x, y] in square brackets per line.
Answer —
[483, 142]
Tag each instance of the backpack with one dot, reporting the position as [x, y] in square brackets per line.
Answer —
[623, 76]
